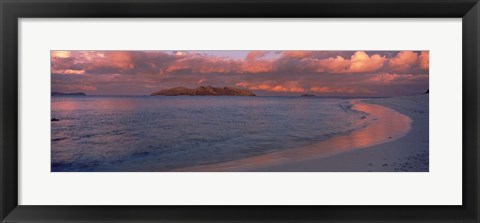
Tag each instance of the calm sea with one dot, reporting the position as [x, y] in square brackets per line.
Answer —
[143, 133]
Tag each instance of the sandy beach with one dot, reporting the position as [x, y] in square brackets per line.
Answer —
[408, 153]
[397, 141]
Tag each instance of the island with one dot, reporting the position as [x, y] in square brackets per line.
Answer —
[204, 91]
[56, 93]
[307, 95]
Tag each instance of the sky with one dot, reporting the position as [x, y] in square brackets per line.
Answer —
[323, 73]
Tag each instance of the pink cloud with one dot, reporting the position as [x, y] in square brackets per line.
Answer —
[403, 61]
[256, 66]
[297, 54]
[424, 60]
[287, 87]
[79, 62]
[326, 72]
[69, 71]
[60, 54]
[197, 63]
[255, 54]
[359, 62]
[331, 90]
[389, 77]
[332, 65]
[188, 62]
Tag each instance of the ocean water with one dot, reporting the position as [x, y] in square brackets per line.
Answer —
[144, 133]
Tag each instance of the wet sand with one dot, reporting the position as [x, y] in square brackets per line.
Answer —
[396, 141]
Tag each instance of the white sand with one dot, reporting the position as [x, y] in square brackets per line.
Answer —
[398, 142]
[409, 153]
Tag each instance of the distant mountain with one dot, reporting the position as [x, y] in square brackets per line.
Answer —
[56, 93]
[204, 91]
[307, 95]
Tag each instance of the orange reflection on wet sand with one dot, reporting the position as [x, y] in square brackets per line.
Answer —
[390, 126]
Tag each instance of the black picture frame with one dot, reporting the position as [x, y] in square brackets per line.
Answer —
[12, 10]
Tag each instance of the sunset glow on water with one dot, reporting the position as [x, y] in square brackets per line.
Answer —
[164, 133]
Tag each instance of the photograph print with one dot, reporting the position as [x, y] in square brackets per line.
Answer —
[239, 111]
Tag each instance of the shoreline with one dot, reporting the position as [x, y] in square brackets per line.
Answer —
[406, 154]
[377, 147]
